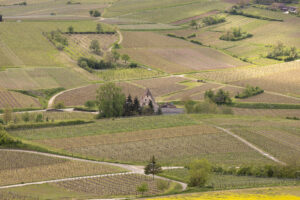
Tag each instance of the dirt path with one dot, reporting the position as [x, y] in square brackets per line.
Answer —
[252, 146]
[119, 42]
[133, 169]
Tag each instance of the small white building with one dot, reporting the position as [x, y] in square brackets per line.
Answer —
[145, 100]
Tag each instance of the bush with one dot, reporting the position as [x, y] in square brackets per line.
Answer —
[249, 92]
[133, 65]
[92, 63]
[235, 34]
[281, 52]
[199, 172]
[162, 185]
[6, 139]
[196, 42]
[206, 107]
[59, 105]
[90, 104]
[213, 20]
[220, 98]
[95, 13]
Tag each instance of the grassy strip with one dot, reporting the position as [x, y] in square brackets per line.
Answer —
[265, 105]
[45, 124]
[22, 109]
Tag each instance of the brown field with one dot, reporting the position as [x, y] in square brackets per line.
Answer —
[119, 185]
[17, 100]
[79, 96]
[18, 167]
[270, 98]
[175, 146]
[173, 55]
[196, 93]
[162, 86]
[267, 112]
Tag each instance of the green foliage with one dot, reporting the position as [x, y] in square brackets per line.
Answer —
[6, 139]
[45, 124]
[199, 171]
[90, 104]
[39, 118]
[95, 13]
[26, 117]
[162, 185]
[142, 188]
[193, 23]
[213, 20]
[7, 115]
[206, 107]
[92, 63]
[235, 34]
[125, 58]
[132, 108]
[59, 105]
[220, 98]
[71, 29]
[281, 52]
[95, 46]
[153, 167]
[249, 92]
[110, 100]
[57, 38]
[99, 28]
[275, 171]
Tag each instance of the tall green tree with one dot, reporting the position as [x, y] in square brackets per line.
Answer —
[99, 28]
[95, 46]
[125, 58]
[153, 167]
[71, 29]
[110, 100]
[199, 172]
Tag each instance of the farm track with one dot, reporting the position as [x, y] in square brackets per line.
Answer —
[133, 169]
[252, 146]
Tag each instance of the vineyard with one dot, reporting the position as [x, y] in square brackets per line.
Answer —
[17, 100]
[267, 112]
[81, 95]
[119, 185]
[172, 146]
[18, 167]
[278, 137]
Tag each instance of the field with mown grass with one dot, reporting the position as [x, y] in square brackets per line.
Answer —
[20, 167]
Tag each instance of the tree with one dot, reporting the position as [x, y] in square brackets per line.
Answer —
[128, 106]
[59, 105]
[116, 56]
[152, 167]
[90, 104]
[99, 28]
[7, 115]
[95, 46]
[125, 58]
[39, 118]
[142, 188]
[26, 117]
[199, 172]
[110, 100]
[71, 29]
[136, 106]
[151, 107]
[193, 24]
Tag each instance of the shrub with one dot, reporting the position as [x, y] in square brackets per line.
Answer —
[59, 105]
[95, 13]
[235, 34]
[206, 107]
[249, 91]
[90, 104]
[92, 63]
[133, 65]
[196, 42]
[213, 20]
[199, 171]
[281, 52]
[162, 185]
[220, 98]
[6, 139]
[39, 118]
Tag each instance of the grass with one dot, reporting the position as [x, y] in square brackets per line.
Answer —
[107, 126]
[19, 167]
[173, 55]
[267, 112]
[128, 74]
[41, 78]
[225, 182]
[36, 50]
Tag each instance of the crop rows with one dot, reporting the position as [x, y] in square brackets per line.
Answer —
[17, 100]
[17, 167]
[118, 185]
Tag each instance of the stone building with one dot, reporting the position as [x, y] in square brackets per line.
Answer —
[146, 98]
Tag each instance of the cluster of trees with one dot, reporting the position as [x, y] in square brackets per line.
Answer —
[92, 63]
[6, 139]
[281, 52]
[235, 34]
[112, 102]
[249, 92]
[206, 107]
[213, 20]
[58, 39]
[279, 171]
[26, 117]
[220, 98]
[95, 13]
